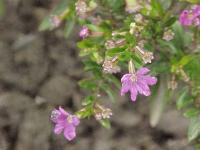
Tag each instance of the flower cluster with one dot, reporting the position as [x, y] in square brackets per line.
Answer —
[190, 17]
[134, 31]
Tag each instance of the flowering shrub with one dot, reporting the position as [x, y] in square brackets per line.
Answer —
[127, 39]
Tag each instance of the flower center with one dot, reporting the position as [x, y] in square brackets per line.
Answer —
[69, 119]
[133, 78]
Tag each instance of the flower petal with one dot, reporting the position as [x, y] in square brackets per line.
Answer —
[63, 111]
[150, 80]
[58, 128]
[69, 132]
[142, 71]
[133, 94]
[143, 88]
[125, 88]
[126, 78]
[75, 120]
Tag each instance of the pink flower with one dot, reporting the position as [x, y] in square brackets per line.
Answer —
[197, 21]
[137, 83]
[84, 32]
[190, 17]
[196, 11]
[186, 18]
[64, 122]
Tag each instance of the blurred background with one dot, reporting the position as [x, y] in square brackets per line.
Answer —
[40, 71]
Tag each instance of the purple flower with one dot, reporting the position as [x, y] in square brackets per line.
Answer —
[186, 18]
[197, 21]
[84, 32]
[137, 83]
[64, 122]
[196, 11]
[190, 17]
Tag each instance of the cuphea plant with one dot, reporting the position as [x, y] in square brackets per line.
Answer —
[131, 39]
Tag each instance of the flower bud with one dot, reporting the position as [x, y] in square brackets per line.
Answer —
[168, 35]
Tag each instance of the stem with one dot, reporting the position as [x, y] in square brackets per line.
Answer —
[131, 67]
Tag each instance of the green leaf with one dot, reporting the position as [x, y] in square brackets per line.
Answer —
[193, 69]
[170, 21]
[60, 9]
[88, 100]
[159, 100]
[157, 9]
[105, 123]
[115, 51]
[69, 28]
[115, 5]
[95, 28]
[88, 84]
[113, 79]
[182, 38]
[108, 91]
[185, 60]
[194, 129]
[184, 99]
[192, 112]
[91, 65]
[86, 112]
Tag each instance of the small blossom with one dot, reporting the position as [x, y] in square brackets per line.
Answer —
[81, 8]
[55, 21]
[139, 18]
[110, 44]
[64, 122]
[135, 29]
[147, 57]
[85, 32]
[101, 112]
[173, 83]
[137, 83]
[110, 66]
[132, 27]
[168, 35]
[132, 6]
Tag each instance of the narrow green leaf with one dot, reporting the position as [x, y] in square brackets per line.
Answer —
[115, 51]
[194, 129]
[105, 123]
[88, 100]
[58, 10]
[113, 79]
[184, 99]
[108, 91]
[192, 112]
[69, 27]
[87, 84]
